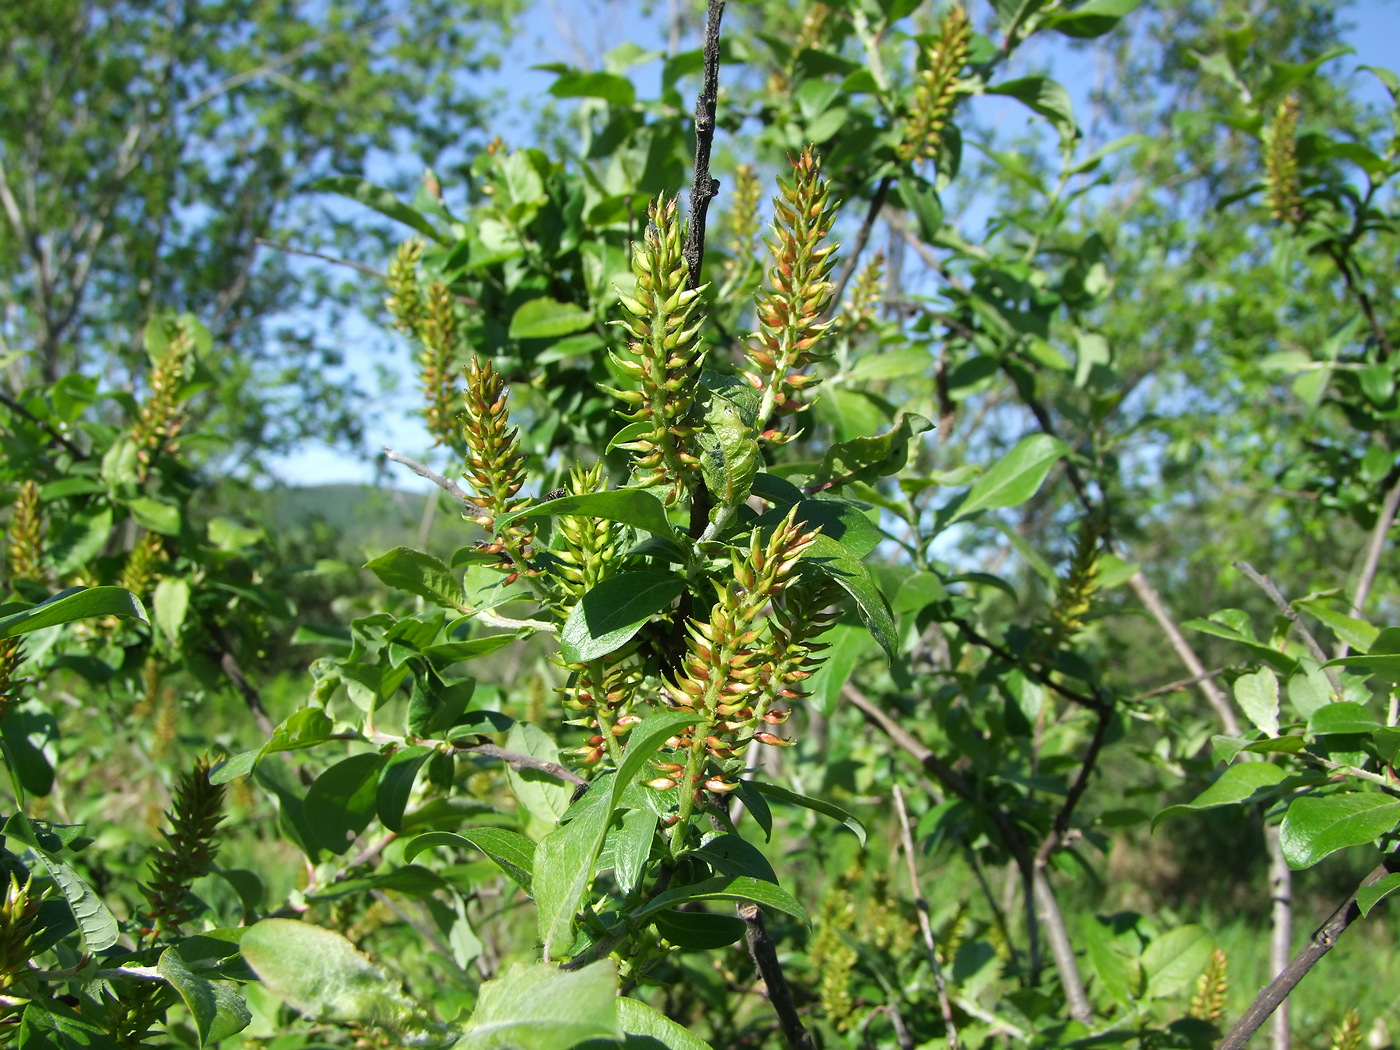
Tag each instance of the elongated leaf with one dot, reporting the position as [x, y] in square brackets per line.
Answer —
[95, 920]
[816, 805]
[420, 574]
[513, 853]
[1014, 478]
[544, 796]
[1175, 959]
[171, 601]
[301, 729]
[218, 1010]
[1315, 827]
[1043, 95]
[468, 648]
[870, 458]
[58, 1029]
[76, 603]
[632, 847]
[843, 522]
[1369, 896]
[609, 615]
[565, 859]
[381, 200]
[699, 930]
[639, 1019]
[320, 973]
[1242, 783]
[1091, 19]
[1382, 657]
[547, 318]
[1257, 695]
[733, 855]
[833, 560]
[396, 784]
[728, 888]
[540, 1007]
[608, 86]
[1342, 717]
[632, 507]
[341, 801]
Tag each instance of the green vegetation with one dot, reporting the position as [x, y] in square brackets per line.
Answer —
[927, 586]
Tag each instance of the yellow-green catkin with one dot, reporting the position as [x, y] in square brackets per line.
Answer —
[664, 356]
[741, 229]
[791, 332]
[832, 956]
[1347, 1035]
[867, 293]
[162, 414]
[19, 914]
[1282, 195]
[1212, 986]
[405, 299]
[440, 334]
[11, 656]
[495, 466]
[25, 551]
[1075, 595]
[143, 564]
[937, 90]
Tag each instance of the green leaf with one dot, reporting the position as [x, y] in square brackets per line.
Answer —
[632, 847]
[609, 615]
[816, 805]
[446, 653]
[95, 920]
[699, 930]
[1014, 478]
[843, 522]
[1175, 959]
[565, 858]
[1369, 896]
[632, 507]
[396, 784]
[639, 1019]
[1382, 657]
[82, 539]
[171, 601]
[58, 1029]
[544, 796]
[608, 86]
[1044, 96]
[218, 1011]
[154, 515]
[540, 1007]
[323, 975]
[420, 574]
[547, 318]
[834, 561]
[728, 888]
[729, 453]
[1091, 19]
[512, 852]
[382, 201]
[1257, 695]
[870, 458]
[1315, 827]
[1342, 717]
[341, 802]
[301, 729]
[1248, 781]
[75, 603]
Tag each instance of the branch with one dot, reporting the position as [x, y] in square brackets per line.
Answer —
[1323, 940]
[1094, 703]
[44, 425]
[924, 925]
[281, 246]
[703, 188]
[1179, 684]
[1363, 300]
[229, 664]
[1060, 829]
[450, 487]
[1267, 586]
[518, 761]
[765, 960]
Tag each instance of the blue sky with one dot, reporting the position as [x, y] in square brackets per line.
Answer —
[578, 32]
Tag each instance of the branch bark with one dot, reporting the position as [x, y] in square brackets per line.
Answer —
[704, 187]
[765, 959]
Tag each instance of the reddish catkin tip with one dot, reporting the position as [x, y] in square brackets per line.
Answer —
[661, 783]
[773, 741]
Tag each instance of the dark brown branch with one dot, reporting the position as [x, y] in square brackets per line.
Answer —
[765, 960]
[1323, 940]
[518, 761]
[229, 664]
[1093, 703]
[1060, 829]
[450, 487]
[848, 269]
[1363, 300]
[1267, 586]
[704, 187]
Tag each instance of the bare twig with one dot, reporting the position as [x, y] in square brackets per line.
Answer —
[1177, 686]
[1267, 586]
[924, 924]
[281, 246]
[450, 487]
[1323, 940]
[704, 187]
[1374, 546]
[765, 960]
[1093, 703]
[1363, 300]
[229, 664]
[518, 761]
[1060, 829]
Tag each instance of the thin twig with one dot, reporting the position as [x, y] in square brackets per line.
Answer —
[765, 960]
[281, 246]
[1267, 586]
[1060, 829]
[518, 761]
[1093, 703]
[229, 664]
[1323, 940]
[924, 924]
[44, 425]
[1363, 300]
[450, 487]
[704, 187]
[1177, 686]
